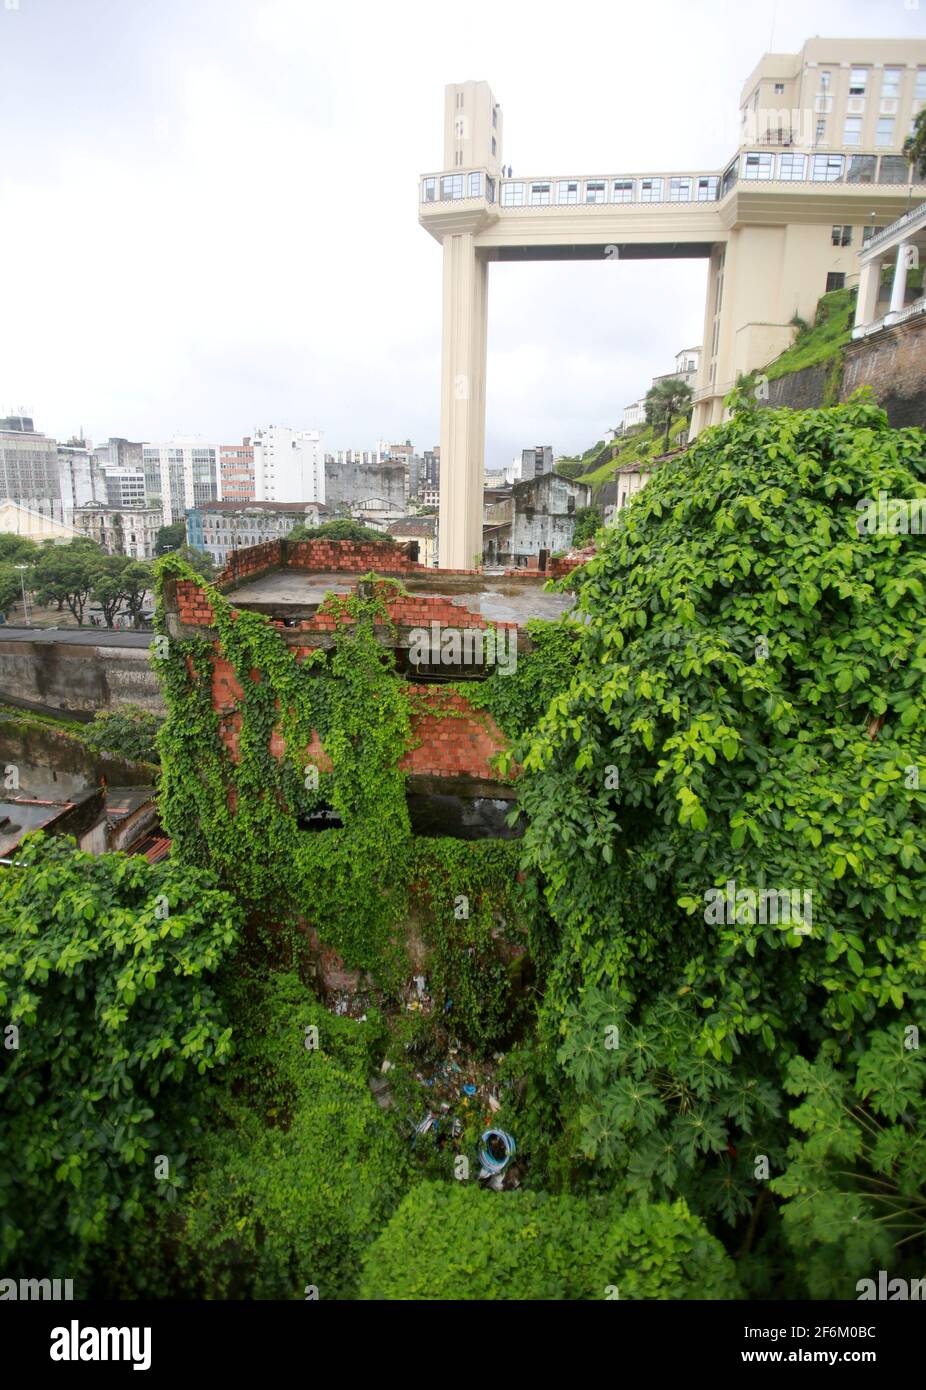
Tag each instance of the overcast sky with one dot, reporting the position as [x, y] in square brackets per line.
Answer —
[208, 208]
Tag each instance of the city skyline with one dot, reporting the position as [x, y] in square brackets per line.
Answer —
[189, 264]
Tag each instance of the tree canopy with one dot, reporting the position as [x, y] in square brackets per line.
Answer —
[745, 718]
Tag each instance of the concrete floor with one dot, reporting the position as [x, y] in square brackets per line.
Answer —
[497, 598]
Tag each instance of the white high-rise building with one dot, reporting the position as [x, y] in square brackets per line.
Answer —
[182, 473]
[81, 477]
[289, 465]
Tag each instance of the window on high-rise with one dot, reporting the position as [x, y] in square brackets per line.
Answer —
[622, 191]
[791, 166]
[890, 83]
[884, 131]
[919, 91]
[842, 236]
[567, 191]
[826, 168]
[862, 168]
[539, 194]
[852, 131]
[651, 190]
[857, 82]
[825, 80]
[758, 166]
[894, 169]
[595, 191]
[679, 190]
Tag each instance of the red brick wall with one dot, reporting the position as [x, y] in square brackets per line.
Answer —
[451, 738]
[354, 557]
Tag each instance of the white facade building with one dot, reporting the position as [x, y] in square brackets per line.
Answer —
[289, 465]
[80, 476]
[634, 414]
[184, 472]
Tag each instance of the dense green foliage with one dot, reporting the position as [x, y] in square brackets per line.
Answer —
[588, 521]
[357, 883]
[299, 1169]
[341, 529]
[712, 1100]
[170, 537]
[457, 1241]
[106, 971]
[746, 705]
[127, 730]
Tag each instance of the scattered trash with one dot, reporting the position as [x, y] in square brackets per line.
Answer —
[425, 1124]
[494, 1103]
[387, 1065]
[469, 1089]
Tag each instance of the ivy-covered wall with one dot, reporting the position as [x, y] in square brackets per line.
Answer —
[261, 734]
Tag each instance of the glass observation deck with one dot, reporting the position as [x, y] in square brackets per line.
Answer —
[761, 166]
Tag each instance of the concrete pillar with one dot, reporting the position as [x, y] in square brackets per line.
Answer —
[899, 287]
[866, 305]
[463, 401]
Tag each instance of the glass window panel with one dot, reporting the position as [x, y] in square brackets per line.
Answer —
[679, 190]
[475, 186]
[567, 191]
[622, 191]
[512, 195]
[706, 188]
[890, 82]
[651, 190]
[826, 168]
[758, 166]
[451, 186]
[791, 166]
[894, 169]
[884, 131]
[857, 80]
[595, 191]
[539, 194]
[852, 131]
[920, 89]
[429, 190]
[862, 168]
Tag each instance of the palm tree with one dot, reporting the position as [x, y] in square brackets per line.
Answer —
[666, 400]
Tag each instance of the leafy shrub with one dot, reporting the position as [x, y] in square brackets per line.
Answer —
[130, 731]
[661, 1251]
[752, 669]
[459, 1241]
[117, 1018]
[343, 529]
[300, 1167]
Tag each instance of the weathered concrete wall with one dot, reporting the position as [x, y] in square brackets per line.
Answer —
[51, 763]
[77, 678]
[893, 363]
[801, 390]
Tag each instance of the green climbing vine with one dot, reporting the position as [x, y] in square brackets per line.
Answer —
[359, 884]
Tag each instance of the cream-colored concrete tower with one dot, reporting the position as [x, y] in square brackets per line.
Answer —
[818, 169]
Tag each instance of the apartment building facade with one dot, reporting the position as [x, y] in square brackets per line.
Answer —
[289, 465]
[183, 472]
